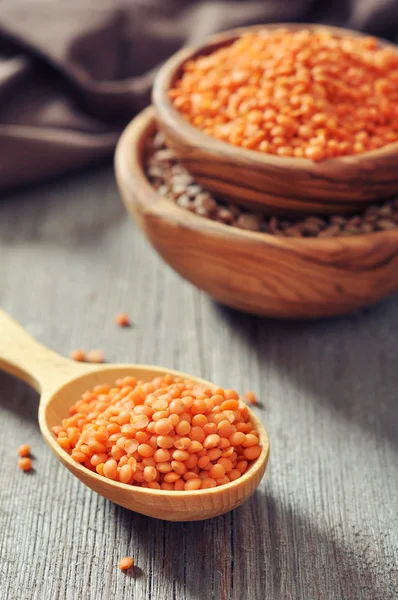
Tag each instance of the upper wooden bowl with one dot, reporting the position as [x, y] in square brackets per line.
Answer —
[255, 272]
[267, 182]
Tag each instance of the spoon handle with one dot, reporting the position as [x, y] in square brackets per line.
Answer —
[24, 357]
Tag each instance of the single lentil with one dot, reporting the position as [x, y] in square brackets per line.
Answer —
[95, 356]
[78, 355]
[377, 217]
[24, 450]
[126, 563]
[25, 464]
[301, 93]
[251, 397]
[122, 319]
[116, 432]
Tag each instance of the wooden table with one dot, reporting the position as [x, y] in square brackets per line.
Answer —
[323, 524]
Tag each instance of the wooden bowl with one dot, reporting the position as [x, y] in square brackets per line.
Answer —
[267, 182]
[255, 272]
[61, 382]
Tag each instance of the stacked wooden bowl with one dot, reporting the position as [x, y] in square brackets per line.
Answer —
[258, 272]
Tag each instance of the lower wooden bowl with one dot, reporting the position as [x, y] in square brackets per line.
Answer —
[255, 272]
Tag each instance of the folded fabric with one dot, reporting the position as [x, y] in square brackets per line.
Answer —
[72, 74]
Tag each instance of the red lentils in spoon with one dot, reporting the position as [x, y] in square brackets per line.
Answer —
[167, 434]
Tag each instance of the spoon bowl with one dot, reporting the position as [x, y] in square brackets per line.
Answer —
[61, 382]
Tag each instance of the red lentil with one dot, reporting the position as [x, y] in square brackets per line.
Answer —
[95, 356]
[168, 434]
[251, 397]
[78, 355]
[294, 93]
[25, 464]
[126, 563]
[24, 450]
[122, 319]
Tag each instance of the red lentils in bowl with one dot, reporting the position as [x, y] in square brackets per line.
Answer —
[305, 94]
[168, 434]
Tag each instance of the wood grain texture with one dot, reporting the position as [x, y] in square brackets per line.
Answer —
[256, 272]
[265, 182]
[323, 523]
[62, 381]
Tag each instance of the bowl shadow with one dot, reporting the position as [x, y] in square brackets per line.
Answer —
[348, 363]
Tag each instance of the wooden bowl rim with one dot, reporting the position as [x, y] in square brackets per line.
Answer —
[129, 159]
[173, 118]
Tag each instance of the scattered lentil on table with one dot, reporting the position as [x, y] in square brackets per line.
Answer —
[122, 319]
[25, 464]
[167, 434]
[251, 397]
[126, 563]
[305, 94]
[95, 356]
[78, 355]
[24, 450]
[175, 183]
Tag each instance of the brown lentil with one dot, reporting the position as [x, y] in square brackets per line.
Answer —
[115, 431]
[301, 93]
[377, 217]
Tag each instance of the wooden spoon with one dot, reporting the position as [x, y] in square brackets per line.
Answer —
[61, 382]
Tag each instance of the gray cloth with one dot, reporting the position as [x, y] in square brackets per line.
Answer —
[72, 74]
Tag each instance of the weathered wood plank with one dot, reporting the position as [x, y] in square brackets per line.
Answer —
[323, 524]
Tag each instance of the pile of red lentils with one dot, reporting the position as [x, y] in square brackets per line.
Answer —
[304, 94]
[168, 434]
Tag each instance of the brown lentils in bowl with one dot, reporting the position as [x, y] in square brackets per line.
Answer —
[175, 183]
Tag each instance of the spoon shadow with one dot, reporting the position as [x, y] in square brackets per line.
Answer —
[18, 397]
[265, 548]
